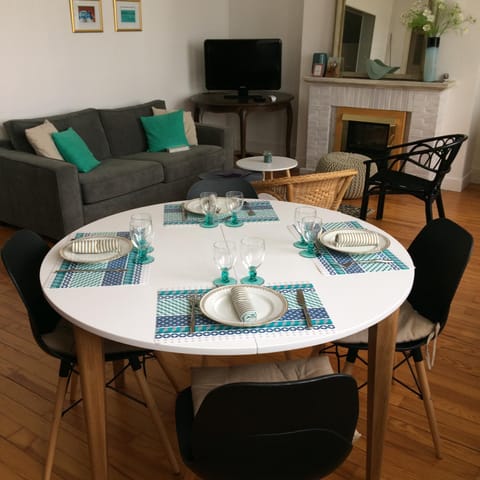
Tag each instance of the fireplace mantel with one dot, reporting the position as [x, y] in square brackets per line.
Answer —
[422, 101]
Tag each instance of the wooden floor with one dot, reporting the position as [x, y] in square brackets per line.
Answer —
[28, 376]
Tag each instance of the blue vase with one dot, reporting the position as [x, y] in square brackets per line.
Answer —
[431, 54]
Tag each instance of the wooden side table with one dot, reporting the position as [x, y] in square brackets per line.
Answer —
[217, 103]
[278, 164]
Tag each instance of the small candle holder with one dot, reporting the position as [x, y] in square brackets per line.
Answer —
[267, 156]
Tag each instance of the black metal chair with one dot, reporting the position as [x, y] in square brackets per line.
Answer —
[415, 168]
[22, 256]
[221, 186]
[293, 430]
[440, 253]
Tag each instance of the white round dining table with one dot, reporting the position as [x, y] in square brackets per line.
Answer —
[183, 255]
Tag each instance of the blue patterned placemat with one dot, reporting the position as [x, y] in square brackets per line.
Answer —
[173, 315]
[130, 274]
[332, 262]
[263, 212]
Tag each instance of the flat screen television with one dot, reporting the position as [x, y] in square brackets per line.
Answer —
[243, 64]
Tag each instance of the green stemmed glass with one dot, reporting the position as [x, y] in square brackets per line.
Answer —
[234, 201]
[301, 212]
[208, 204]
[252, 253]
[310, 228]
[224, 255]
[141, 234]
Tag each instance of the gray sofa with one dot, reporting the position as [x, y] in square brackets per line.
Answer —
[52, 198]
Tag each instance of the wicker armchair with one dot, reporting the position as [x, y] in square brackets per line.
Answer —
[320, 189]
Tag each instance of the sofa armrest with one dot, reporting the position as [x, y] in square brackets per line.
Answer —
[39, 193]
[215, 135]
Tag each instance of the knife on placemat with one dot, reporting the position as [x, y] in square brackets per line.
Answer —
[301, 301]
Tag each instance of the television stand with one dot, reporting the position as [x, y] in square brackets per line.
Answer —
[242, 106]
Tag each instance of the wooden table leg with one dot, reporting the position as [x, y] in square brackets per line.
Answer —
[381, 351]
[92, 375]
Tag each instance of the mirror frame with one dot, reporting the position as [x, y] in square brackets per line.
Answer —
[337, 48]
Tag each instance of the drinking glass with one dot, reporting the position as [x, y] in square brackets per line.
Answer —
[208, 204]
[234, 204]
[310, 228]
[252, 253]
[224, 254]
[141, 234]
[301, 212]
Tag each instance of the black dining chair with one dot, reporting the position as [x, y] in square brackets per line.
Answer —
[262, 430]
[22, 256]
[440, 253]
[221, 186]
[415, 168]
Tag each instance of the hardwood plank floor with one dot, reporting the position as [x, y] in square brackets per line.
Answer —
[28, 382]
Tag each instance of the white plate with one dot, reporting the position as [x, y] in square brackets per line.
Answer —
[269, 305]
[328, 239]
[193, 206]
[124, 244]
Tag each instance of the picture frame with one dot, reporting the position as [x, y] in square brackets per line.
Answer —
[127, 15]
[86, 16]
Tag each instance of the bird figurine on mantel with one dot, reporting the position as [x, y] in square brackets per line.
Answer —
[376, 69]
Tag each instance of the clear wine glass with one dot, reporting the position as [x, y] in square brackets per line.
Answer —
[208, 204]
[141, 235]
[224, 255]
[301, 212]
[234, 201]
[252, 253]
[310, 228]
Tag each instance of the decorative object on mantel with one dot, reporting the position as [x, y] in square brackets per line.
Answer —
[435, 17]
[319, 64]
[334, 67]
[376, 69]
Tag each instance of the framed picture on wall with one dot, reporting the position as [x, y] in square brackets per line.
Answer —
[128, 15]
[86, 15]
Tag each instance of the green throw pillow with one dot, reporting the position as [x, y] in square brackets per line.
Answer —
[74, 150]
[164, 131]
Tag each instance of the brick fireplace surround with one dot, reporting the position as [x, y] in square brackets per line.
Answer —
[424, 104]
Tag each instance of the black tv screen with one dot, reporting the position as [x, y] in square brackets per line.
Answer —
[243, 64]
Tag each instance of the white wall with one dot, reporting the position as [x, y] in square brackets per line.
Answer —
[47, 69]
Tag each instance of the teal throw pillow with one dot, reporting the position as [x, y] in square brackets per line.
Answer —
[74, 150]
[164, 131]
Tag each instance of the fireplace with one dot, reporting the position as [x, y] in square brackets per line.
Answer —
[367, 131]
[421, 106]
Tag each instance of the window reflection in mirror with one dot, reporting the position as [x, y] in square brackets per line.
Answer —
[370, 29]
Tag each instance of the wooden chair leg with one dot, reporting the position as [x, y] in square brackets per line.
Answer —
[170, 377]
[74, 387]
[154, 411]
[428, 404]
[57, 416]
[118, 365]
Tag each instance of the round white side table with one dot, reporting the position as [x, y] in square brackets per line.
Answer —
[278, 164]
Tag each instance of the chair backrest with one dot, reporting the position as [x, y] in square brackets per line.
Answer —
[324, 190]
[434, 155]
[22, 256]
[221, 186]
[440, 253]
[288, 430]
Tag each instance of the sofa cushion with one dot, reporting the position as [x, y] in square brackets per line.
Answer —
[40, 138]
[188, 123]
[74, 150]
[189, 163]
[118, 176]
[124, 129]
[164, 131]
[85, 122]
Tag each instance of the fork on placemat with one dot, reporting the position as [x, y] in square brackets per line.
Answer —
[193, 300]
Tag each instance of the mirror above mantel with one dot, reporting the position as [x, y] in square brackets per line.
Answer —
[372, 29]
